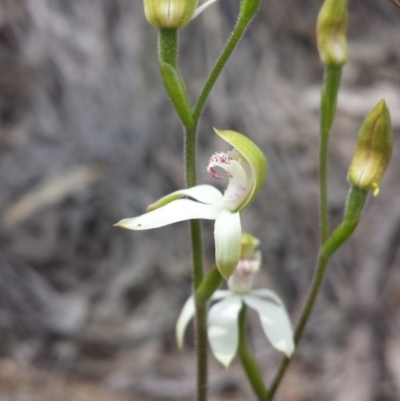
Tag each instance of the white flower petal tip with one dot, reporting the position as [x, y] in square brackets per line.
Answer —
[174, 212]
[223, 332]
[124, 223]
[184, 318]
[201, 8]
[251, 159]
[275, 323]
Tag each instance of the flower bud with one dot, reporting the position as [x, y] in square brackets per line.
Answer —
[173, 14]
[331, 32]
[241, 280]
[373, 150]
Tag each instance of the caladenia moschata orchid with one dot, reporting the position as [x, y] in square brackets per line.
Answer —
[246, 168]
[223, 316]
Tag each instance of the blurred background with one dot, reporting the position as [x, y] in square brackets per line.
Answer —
[88, 136]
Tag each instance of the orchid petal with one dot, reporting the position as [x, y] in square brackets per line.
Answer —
[179, 210]
[263, 292]
[219, 294]
[201, 8]
[202, 193]
[239, 184]
[184, 318]
[223, 333]
[228, 235]
[253, 156]
[275, 323]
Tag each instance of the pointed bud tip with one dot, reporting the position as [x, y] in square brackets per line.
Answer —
[331, 32]
[374, 149]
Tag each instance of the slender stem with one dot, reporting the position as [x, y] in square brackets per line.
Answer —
[168, 46]
[356, 201]
[248, 8]
[248, 362]
[201, 309]
[328, 109]
[308, 307]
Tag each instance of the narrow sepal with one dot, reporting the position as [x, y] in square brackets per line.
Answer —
[275, 323]
[184, 318]
[178, 210]
[227, 234]
[223, 332]
[202, 193]
[201, 8]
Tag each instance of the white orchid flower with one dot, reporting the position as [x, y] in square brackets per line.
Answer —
[246, 168]
[223, 331]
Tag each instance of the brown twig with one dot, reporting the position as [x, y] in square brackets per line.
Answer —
[396, 2]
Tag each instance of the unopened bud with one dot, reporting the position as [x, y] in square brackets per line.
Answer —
[373, 150]
[331, 32]
[241, 280]
[172, 14]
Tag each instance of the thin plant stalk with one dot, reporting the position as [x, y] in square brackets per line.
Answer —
[248, 9]
[329, 94]
[197, 259]
[248, 362]
[328, 109]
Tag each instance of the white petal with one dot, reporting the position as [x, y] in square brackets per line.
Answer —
[219, 294]
[179, 210]
[263, 292]
[202, 193]
[200, 9]
[275, 323]
[238, 186]
[184, 318]
[223, 333]
[227, 234]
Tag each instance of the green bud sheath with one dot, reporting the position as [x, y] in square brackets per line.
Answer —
[373, 150]
[171, 14]
[331, 32]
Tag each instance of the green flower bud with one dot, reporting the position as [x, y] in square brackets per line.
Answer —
[171, 14]
[331, 32]
[249, 245]
[373, 150]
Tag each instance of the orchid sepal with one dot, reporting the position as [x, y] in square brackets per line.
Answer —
[202, 193]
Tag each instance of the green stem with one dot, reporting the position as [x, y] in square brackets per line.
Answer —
[172, 80]
[201, 309]
[208, 286]
[168, 46]
[248, 362]
[308, 307]
[356, 201]
[328, 109]
[248, 9]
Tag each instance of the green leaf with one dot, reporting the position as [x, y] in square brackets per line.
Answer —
[176, 90]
